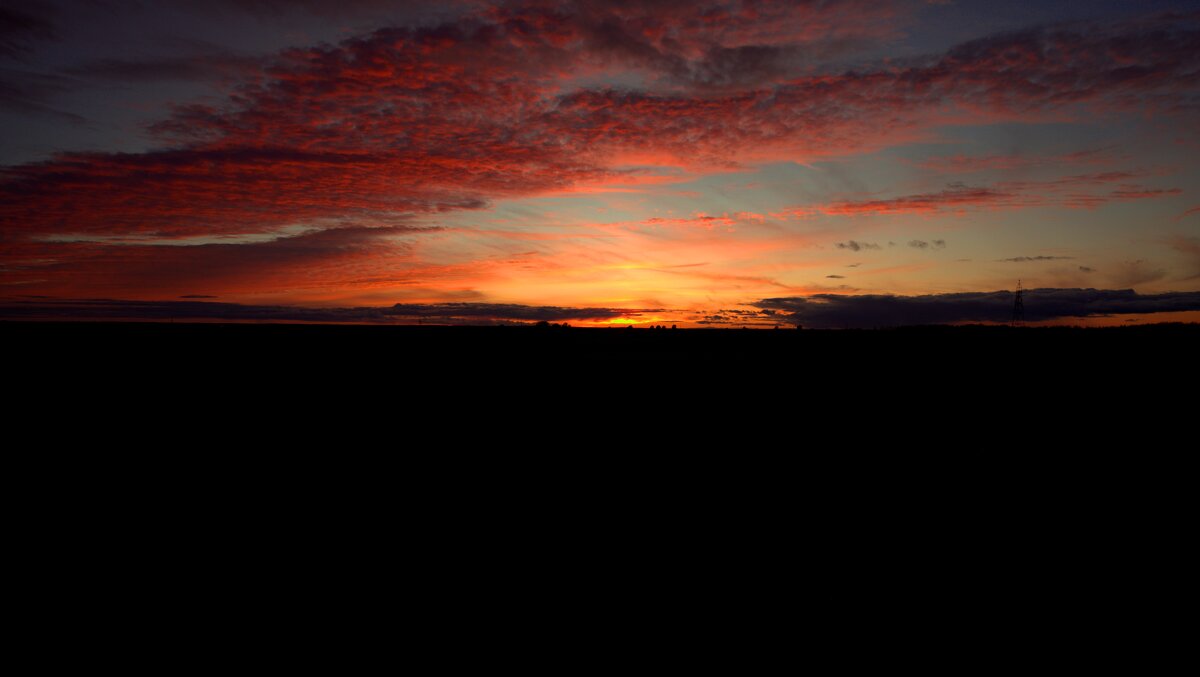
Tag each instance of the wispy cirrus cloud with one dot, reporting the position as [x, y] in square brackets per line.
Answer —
[966, 164]
[1189, 247]
[32, 93]
[1082, 191]
[953, 198]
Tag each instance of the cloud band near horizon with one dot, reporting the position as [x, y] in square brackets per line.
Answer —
[885, 310]
[818, 311]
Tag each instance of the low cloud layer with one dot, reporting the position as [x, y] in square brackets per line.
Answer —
[877, 310]
[401, 313]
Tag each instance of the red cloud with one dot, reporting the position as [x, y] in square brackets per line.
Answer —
[412, 121]
[342, 258]
[405, 122]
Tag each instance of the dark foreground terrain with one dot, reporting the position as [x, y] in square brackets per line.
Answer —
[406, 361]
[752, 418]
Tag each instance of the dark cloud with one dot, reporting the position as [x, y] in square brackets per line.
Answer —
[854, 245]
[32, 93]
[739, 317]
[197, 296]
[19, 27]
[1116, 66]
[325, 8]
[835, 311]
[443, 313]
[196, 67]
[725, 66]
[1028, 259]
[1025, 70]
[740, 312]
[836, 277]
[932, 244]
[341, 10]
[706, 44]
[1085, 269]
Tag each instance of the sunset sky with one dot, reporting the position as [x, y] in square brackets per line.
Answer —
[838, 163]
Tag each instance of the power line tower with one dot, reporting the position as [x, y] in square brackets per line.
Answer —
[1018, 317]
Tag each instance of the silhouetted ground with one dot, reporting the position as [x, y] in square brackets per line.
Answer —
[1001, 435]
[404, 360]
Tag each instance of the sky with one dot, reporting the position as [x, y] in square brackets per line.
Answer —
[700, 163]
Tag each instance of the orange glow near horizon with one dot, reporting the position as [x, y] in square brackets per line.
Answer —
[717, 163]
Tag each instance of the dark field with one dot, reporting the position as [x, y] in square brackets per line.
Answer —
[386, 356]
[1027, 406]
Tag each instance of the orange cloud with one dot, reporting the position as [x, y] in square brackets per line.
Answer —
[325, 162]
